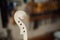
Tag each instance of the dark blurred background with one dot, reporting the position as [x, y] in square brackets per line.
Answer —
[43, 24]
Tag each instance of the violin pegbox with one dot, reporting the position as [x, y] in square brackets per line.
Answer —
[18, 17]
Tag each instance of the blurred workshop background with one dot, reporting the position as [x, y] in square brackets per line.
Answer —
[43, 22]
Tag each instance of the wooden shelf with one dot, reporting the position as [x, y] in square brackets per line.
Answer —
[48, 36]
